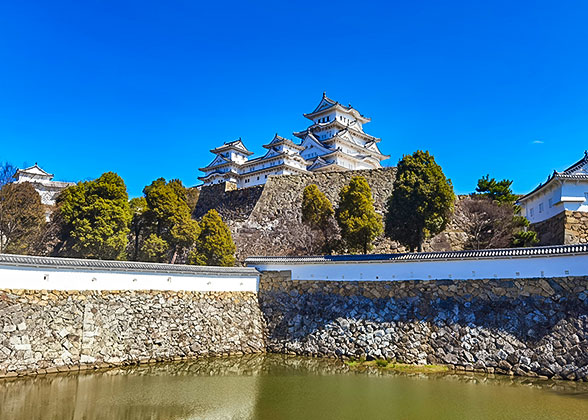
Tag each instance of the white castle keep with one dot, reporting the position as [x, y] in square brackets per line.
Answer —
[335, 141]
[43, 183]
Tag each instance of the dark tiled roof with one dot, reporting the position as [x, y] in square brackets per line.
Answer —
[566, 174]
[133, 266]
[544, 251]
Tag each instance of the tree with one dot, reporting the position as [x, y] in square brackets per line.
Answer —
[524, 239]
[356, 215]
[421, 203]
[154, 249]
[317, 212]
[96, 217]
[22, 218]
[168, 216]
[215, 244]
[522, 236]
[6, 173]
[495, 190]
[138, 208]
[487, 223]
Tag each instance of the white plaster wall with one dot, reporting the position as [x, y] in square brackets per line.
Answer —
[535, 267]
[17, 277]
[571, 195]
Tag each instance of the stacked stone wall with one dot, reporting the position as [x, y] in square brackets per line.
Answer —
[231, 203]
[266, 219]
[565, 228]
[525, 327]
[48, 331]
[576, 228]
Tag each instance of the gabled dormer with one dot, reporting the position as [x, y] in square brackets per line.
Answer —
[32, 173]
[329, 110]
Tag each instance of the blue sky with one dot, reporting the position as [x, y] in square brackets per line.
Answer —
[146, 88]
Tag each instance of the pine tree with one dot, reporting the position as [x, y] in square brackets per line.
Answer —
[495, 190]
[317, 212]
[356, 215]
[215, 244]
[421, 202]
[96, 217]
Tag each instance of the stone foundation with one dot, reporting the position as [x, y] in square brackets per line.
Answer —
[527, 327]
[48, 331]
[565, 228]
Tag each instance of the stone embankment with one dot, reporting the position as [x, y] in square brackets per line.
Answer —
[49, 331]
[266, 219]
[530, 327]
[567, 227]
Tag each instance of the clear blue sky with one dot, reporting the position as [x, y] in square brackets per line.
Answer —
[146, 88]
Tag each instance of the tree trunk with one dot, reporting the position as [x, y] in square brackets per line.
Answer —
[175, 255]
[137, 233]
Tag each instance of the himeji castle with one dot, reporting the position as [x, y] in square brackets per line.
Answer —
[335, 141]
[43, 183]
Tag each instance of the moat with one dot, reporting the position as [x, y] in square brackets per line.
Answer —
[285, 387]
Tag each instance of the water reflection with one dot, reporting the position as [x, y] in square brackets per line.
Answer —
[284, 387]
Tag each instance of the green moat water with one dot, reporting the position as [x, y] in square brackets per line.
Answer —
[280, 387]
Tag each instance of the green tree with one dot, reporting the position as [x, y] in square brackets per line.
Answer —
[169, 215]
[522, 236]
[215, 244]
[22, 218]
[495, 190]
[421, 203]
[317, 212]
[356, 215]
[96, 216]
[138, 207]
[154, 249]
[524, 239]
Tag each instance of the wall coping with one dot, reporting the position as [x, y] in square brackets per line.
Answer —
[501, 253]
[132, 266]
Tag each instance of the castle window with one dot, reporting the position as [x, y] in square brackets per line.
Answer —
[532, 211]
[258, 178]
[550, 202]
[540, 207]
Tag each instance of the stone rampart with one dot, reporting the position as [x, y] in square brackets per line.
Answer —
[525, 327]
[266, 219]
[49, 331]
[567, 227]
[231, 203]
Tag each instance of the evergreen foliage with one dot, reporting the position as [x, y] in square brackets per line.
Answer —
[168, 216]
[96, 216]
[138, 207]
[317, 212]
[22, 218]
[421, 202]
[215, 244]
[357, 217]
[154, 249]
[495, 190]
[524, 239]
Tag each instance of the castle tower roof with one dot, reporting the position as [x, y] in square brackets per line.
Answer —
[236, 145]
[327, 105]
[34, 171]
